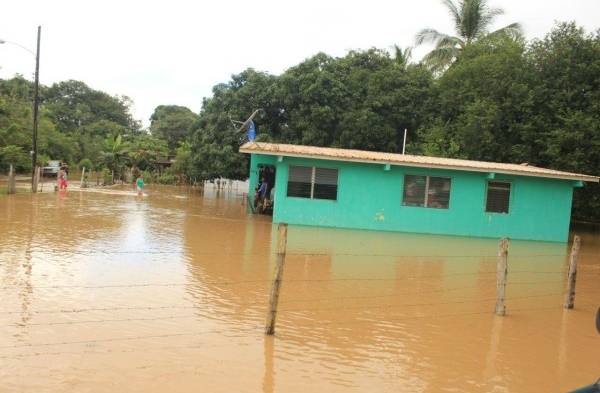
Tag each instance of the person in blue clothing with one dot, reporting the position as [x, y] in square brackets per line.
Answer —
[262, 190]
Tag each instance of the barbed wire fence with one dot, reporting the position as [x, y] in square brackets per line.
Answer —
[273, 305]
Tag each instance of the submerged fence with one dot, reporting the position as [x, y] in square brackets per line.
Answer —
[273, 306]
[501, 277]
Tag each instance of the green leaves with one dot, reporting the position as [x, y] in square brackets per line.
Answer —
[173, 124]
[472, 21]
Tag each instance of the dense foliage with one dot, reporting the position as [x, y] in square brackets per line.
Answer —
[172, 124]
[80, 126]
[504, 99]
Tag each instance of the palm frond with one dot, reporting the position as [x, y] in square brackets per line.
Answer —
[439, 59]
[427, 36]
[454, 11]
[448, 41]
[402, 56]
[514, 31]
[477, 17]
[487, 18]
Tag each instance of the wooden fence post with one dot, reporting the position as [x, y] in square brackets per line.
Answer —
[81, 185]
[570, 299]
[12, 185]
[501, 271]
[274, 298]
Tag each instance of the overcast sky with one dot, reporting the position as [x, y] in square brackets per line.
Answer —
[173, 52]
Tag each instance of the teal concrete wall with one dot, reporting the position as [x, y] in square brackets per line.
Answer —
[370, 197]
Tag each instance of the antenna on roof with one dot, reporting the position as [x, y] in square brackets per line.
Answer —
[247, 122]
[404, 143]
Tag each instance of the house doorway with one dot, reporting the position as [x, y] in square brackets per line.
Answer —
[265, 191]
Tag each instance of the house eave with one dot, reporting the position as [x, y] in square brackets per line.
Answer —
[585, 178]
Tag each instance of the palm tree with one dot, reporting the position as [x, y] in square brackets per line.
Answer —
[402, 56]
[472, 20]
[114, 154]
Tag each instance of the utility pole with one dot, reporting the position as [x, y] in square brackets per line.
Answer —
[36, 104]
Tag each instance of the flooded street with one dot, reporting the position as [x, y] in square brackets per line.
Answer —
[110, 292]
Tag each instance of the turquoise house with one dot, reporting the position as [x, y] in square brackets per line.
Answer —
[345, 188]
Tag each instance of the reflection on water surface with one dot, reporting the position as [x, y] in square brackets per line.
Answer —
[109, 291]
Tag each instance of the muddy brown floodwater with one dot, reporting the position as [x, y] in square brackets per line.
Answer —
[110, 292]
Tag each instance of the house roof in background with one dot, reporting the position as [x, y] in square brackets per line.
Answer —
[372, 157]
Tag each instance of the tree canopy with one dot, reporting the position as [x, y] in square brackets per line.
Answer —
[505, 100]
[173, 124]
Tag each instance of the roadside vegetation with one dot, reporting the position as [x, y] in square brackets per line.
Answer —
[88, 128]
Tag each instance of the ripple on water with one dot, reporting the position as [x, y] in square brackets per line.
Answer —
[169, 293]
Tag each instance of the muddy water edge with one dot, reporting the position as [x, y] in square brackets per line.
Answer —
[108, 291]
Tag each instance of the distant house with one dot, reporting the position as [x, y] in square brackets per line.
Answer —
[164, 163]
[394, 192]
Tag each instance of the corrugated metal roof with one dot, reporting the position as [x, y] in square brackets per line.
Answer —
[328, 153]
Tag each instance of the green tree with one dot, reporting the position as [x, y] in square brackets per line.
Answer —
[215, 140]
[15, 156]
[472, 21]
[482, 105]
[115, 153]
[172, 124]
[144, 150]
[566, 95]
[183, 159]
[75, 106]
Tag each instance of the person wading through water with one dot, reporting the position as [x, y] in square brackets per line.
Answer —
[139, 183]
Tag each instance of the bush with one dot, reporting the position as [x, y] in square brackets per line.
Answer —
[148, 176]
[166, 178]
[106, 176]
[16, 156]
[85, 163]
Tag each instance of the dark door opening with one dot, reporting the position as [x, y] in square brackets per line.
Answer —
[265, 191]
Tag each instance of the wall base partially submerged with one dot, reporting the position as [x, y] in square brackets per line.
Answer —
[370, 197]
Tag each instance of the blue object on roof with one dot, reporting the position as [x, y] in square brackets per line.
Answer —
[251, 131]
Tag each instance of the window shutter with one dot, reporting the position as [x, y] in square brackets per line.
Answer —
[498, 197]
[326, 181]
[299, 181]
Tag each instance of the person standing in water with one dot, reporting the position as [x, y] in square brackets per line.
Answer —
[139, 183]
[62, 178]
